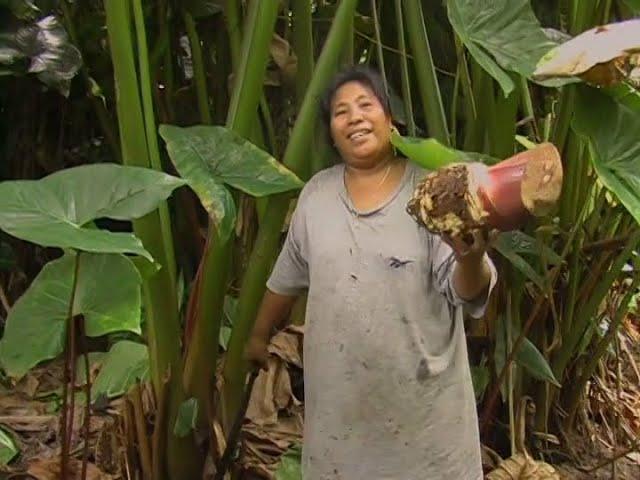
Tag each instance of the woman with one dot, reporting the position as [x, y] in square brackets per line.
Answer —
[388, 392]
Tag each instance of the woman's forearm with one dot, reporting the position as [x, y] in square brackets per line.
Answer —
[471, 278]
[274, 309]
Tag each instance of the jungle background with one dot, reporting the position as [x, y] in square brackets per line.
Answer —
[150, 154]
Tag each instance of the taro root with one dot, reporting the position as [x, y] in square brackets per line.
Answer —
[462, 197]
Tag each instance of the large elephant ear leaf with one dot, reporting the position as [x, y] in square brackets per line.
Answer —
[615, 150]
[107, 296]
[500, 35]
[209, 157]
[57, 210]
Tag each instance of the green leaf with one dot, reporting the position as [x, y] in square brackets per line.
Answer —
[187, 418]
[507, 250]
[55, 211]
[431, 154]
[500, 35]
[95, 358]
[8, 448]
[23, 9]
[46, 47]
[208, 157]
[229, 158]
[634, 5]
[528, 356]
[480, 377]
[523, 244]
[290, 464]
[534, 362]
[615, 150]
[229, 310]
[124, 364]
[107, 295]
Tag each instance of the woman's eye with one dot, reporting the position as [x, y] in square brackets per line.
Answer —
[339, 112]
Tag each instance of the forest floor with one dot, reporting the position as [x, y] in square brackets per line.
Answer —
[29, 412]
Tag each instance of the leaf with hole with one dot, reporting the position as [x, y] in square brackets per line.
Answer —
[126, 363]
[58, 210]
[209, 157]
[615, 150]
[502, 35]
[107, 296]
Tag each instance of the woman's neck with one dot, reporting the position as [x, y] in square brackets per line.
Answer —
[374, 170]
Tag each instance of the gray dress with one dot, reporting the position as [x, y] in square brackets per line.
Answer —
[388, 392]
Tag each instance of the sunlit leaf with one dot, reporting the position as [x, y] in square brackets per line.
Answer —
[599, 55]
[615, 149]
[46, 47]
[431, 154]
[208, 157]
[124, 364]
[500, 35]
[187, 418]
[107, 295]
[290, 464]
[8, 448]
[56, 210]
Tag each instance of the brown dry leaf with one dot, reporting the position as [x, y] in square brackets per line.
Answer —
[523, 467]
[286, 345]
[49, 469]
[284, 57]
[604, 55]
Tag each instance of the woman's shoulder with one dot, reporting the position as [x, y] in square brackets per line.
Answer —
[321, 182]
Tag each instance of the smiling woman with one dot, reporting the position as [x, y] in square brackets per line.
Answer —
[388, 392]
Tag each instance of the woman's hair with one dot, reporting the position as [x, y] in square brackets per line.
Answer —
[358, 73]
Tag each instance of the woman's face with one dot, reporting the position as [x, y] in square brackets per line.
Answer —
[360, 127]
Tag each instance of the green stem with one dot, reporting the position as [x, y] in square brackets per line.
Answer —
[150, 129]
[404, 71]
[234, 28]
[586, 314]
[376, 24]
[600, 350]
[303, 47]
[199, 72]
[426, 73]
[253, 284]
[163, 328]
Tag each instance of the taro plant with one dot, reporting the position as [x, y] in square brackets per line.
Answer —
[93, 289]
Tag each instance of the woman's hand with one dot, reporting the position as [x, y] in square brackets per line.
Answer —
[472, 273]
[256, 352]
[471, 249]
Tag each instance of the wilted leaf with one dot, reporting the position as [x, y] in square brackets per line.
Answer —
[208, 157]
[107, 295]
[500, 35]
[49, 469]
[46, 46]
[289, 467]
[601, 56]
[615, 149]
[187, 418]
[431, 154]
[8, 448]
[284, 57]
[523, 467]
[126, 363]
[54, 211]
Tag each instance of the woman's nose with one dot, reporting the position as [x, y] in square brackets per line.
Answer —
[355, 116]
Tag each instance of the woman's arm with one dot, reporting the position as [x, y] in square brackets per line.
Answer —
[471, 274]
[273, 310]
